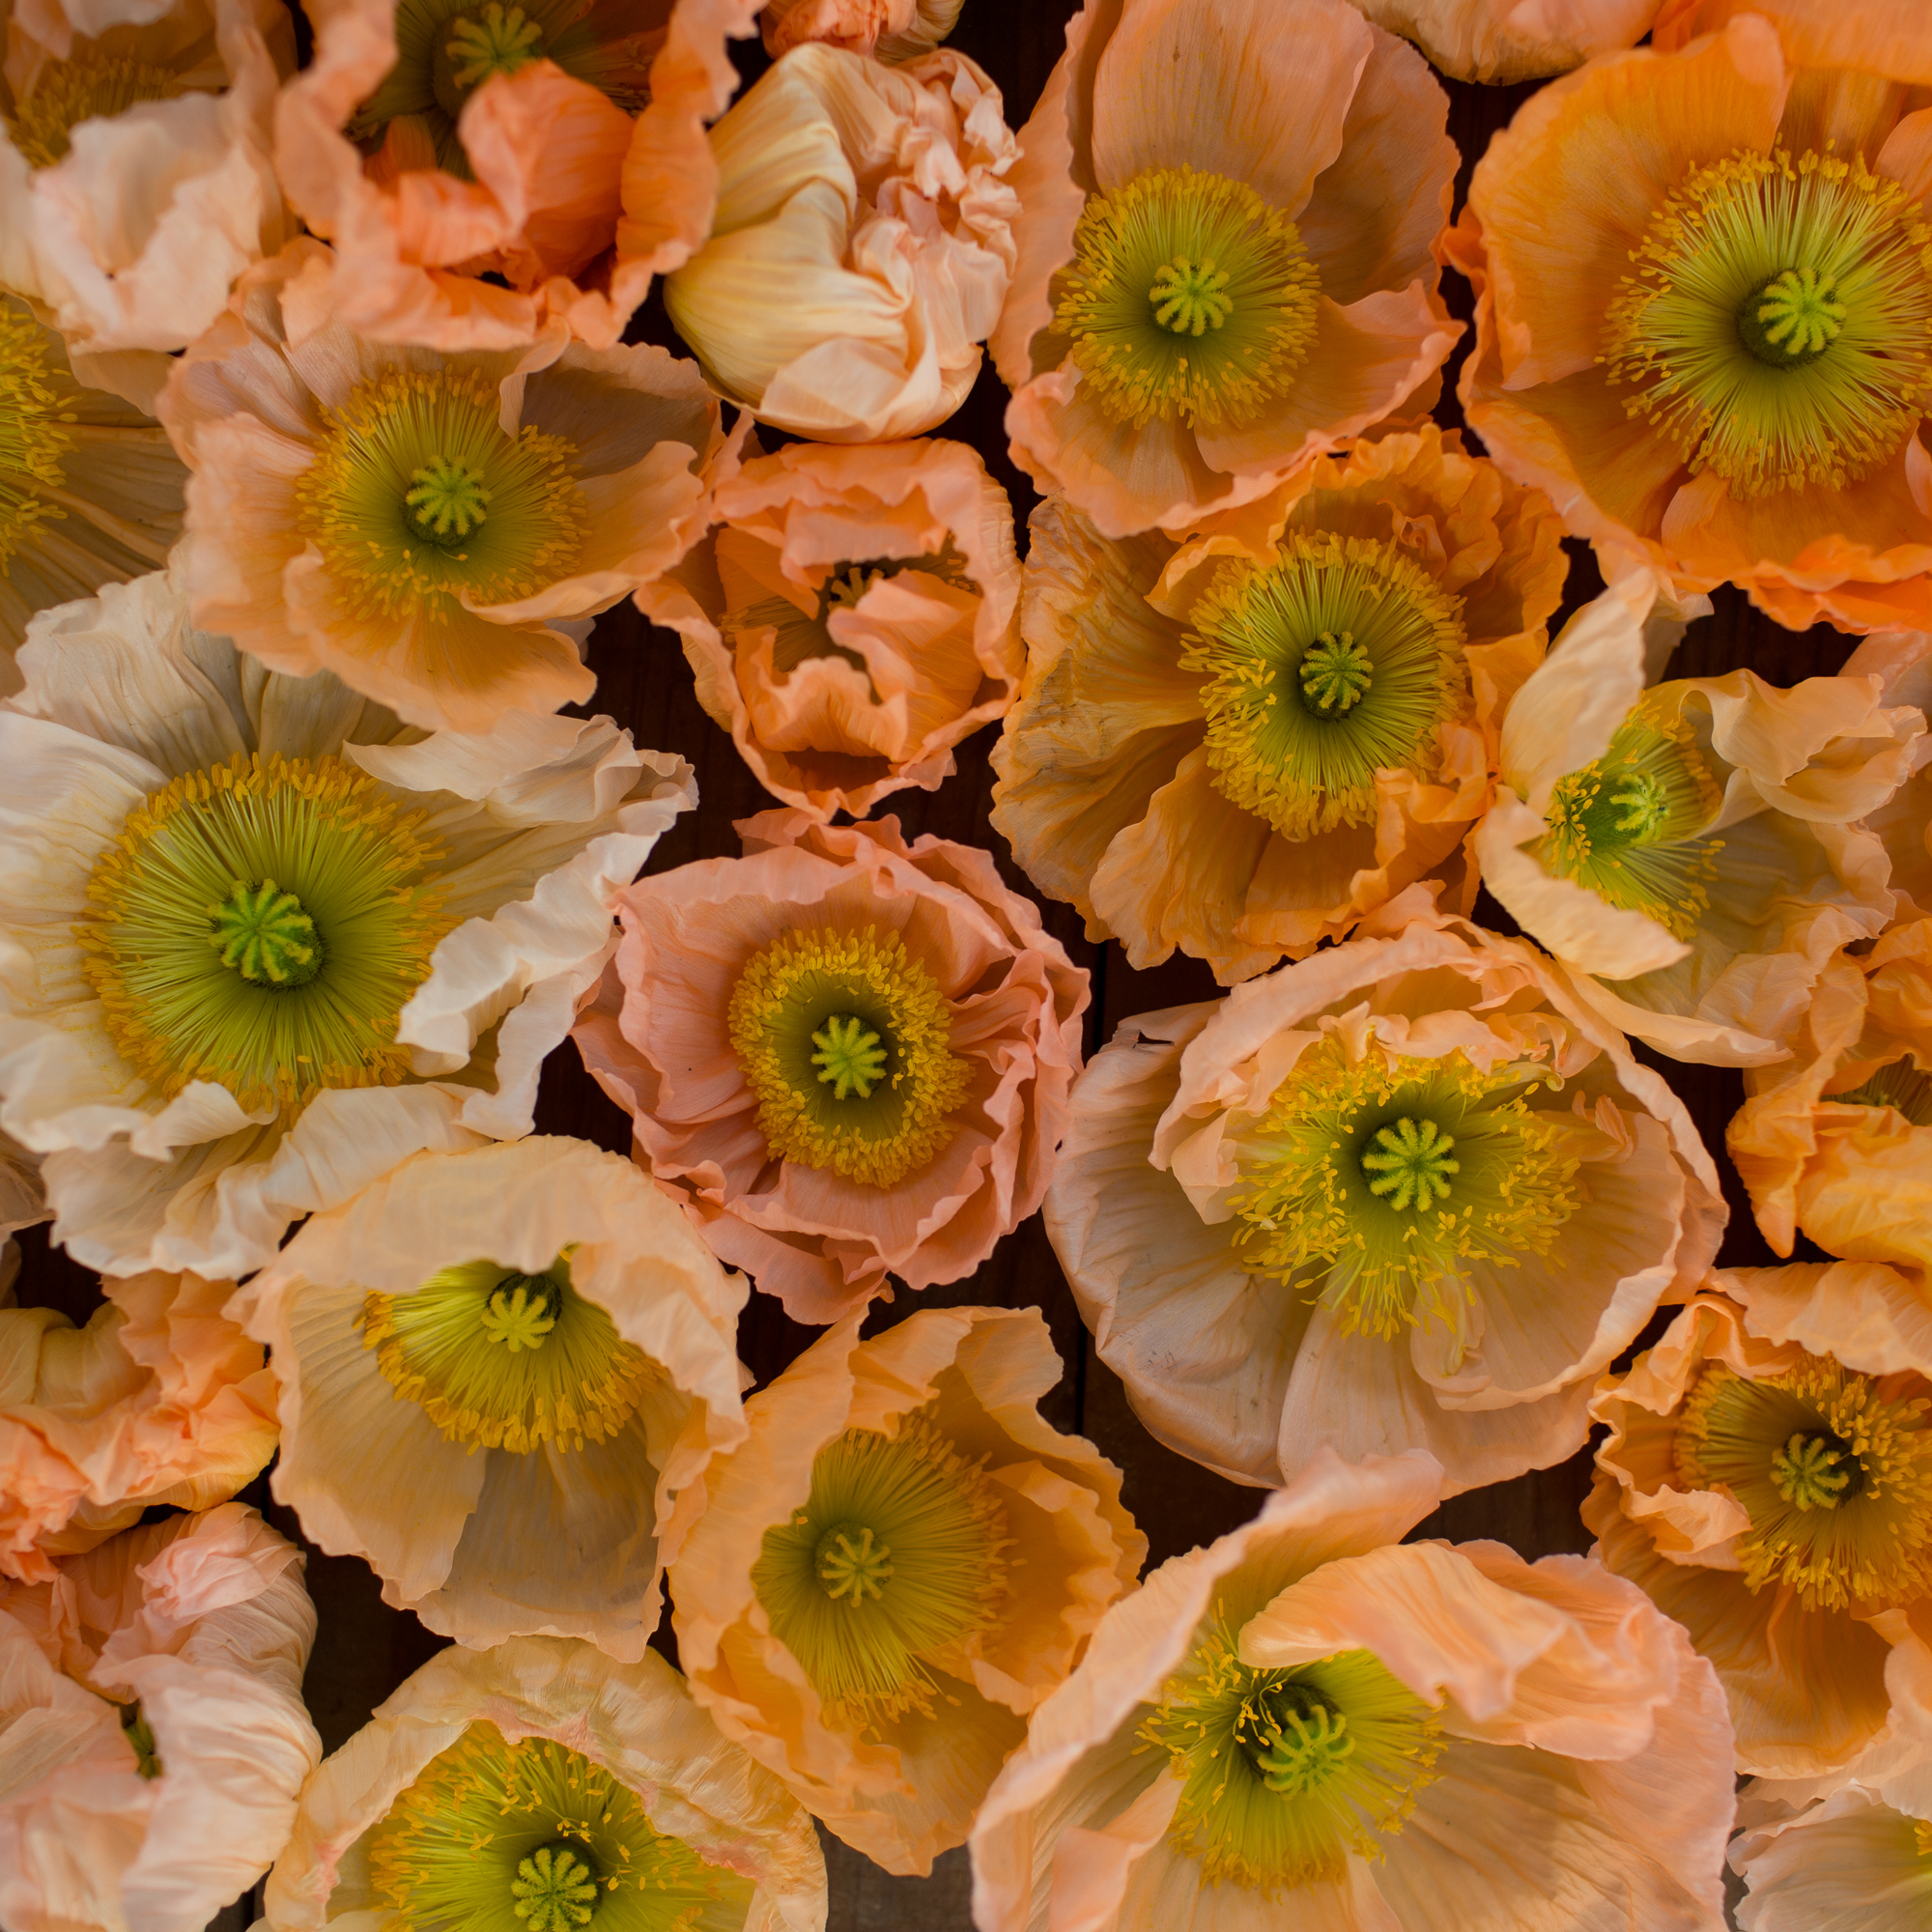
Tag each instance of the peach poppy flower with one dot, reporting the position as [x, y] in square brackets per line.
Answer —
[1309, 1722]
[459, 886]
[1837, 1140]
[1694, 852]
[901, 1562]
[1512, 1197]
[845, 1054]
[436, 145]
[542, 1303]
[472, 1798]
[890, 30]
[1709, 340]
[90, 492]
[1848, 1863]
[159, 1399]
[151, 1730]
[852, 618]
[438, 531]
[1155, 771]
[1768, 1480]
[1505, 40]
[135, 179]
[862, 245]
[1226, 211]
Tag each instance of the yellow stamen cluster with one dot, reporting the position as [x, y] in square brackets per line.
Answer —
[843, 1038]
[532, 1836]
[1189, 296]
[155, 939]
[1835, 1472]
[1284, 1774]
[35, 436]
[1777, 324]
[500, 1360]
[422, 504]
[91, 86]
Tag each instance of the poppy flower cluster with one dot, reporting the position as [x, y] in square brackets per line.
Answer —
[359, 356]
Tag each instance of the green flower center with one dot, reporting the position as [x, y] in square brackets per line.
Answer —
[844, 1042]
[1835, 1477]
[91, 86]
[447, 49]
[1286, 1772]
[1342, 659]
[1777, 326]
[1188, 297]
[881, 1583]
[421, 503]
[185, 956]
[803, 635]
[1629, 827]
[532, 1836]
[502, 1360]
[1897, 1083]
[555, 1889]
[1391, 1179]
[35, 436]
[263, 933]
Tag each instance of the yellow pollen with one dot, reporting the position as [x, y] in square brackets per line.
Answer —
[91, 86]
[843, 1038]
[1834, 1471]
[35, 433]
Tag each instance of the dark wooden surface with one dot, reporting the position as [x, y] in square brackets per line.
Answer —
[364, 1650]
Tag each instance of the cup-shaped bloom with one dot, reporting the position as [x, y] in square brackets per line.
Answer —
[1242, 744]
[846, 1055]
[1693, 852]
[862, 245]
[542, 1787]
[1502, 42]
[272, 942]
[1226, 215]
[1310, 1724]
[1711, 343]
[1410, 1193]
[471, 159]
[1837, 1139]
[437, 530]
[152, 1731]
[890, 30]
[90, 493]
[503, 1375]
[1849, 1862]
[136, 179]
[901, 1561]
[160, 1398]
[853, 615]
[1768, 1480]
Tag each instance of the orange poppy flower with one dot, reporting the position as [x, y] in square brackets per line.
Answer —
[1503, 40]
[852, 618]
[435, 143]
[1244, 744]
[901, 1562]
[1227, 209]
[1704, 305]
[1768, 1481]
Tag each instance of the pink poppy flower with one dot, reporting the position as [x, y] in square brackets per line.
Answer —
[848, 1056]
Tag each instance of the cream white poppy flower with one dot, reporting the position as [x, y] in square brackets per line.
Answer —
[1695, 852]
[152, 1731]
[503, 1373]
[1848, 1863]
[261, 942]
[495, 1789]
